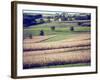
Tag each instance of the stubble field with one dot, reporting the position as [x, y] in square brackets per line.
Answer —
[57, 48]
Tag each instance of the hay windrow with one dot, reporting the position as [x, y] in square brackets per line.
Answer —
[68, 57]
[55, 45]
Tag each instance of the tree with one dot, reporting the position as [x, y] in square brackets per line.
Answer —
[63, 16]
[72, 28]
[53, 28]
[41, 33]
[56, 17]
[48, 19]
[41, 20]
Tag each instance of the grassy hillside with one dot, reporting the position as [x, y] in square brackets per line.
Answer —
[61, 31]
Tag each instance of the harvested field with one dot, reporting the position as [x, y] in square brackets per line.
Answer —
[79, 40]
[57, 48]
[36, 39]
[81, 56]
[41, 52]
[55, 45]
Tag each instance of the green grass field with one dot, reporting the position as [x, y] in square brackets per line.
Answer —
[60, 32]
[70, 65]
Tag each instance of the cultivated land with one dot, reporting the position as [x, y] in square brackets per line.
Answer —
[58, 48]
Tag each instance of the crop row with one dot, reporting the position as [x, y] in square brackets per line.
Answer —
[80, 56]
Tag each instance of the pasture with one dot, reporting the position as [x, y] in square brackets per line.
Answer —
[56, 48]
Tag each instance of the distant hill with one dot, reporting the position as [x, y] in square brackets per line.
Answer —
[35, 19]
[29, 20]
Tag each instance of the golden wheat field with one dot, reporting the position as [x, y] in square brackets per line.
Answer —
[67, 51]
[76, 56]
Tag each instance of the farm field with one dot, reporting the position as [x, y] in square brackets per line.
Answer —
[56, 48]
